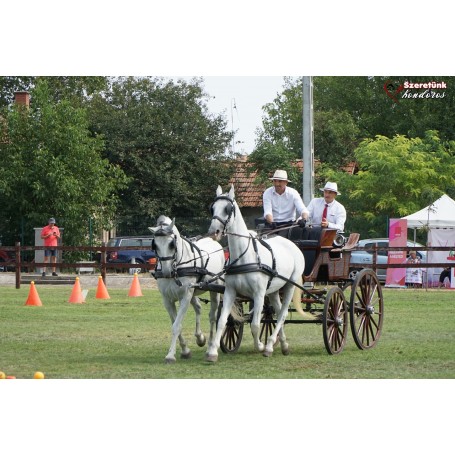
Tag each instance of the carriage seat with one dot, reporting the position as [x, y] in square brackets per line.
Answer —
[308, 239]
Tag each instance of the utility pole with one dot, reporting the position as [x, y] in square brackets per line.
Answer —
[308, 140]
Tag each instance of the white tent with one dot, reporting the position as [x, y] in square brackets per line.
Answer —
[440, 214]
[439, 218]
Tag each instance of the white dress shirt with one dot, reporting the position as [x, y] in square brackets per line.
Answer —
[283, 207]
[336, 213]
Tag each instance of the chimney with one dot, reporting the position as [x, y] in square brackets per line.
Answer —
[22, 98]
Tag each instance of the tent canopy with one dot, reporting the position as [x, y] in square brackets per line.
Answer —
[440, 214]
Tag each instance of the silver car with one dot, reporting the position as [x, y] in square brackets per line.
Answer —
[366, 257]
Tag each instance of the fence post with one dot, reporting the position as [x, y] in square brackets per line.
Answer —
[103, 261]
[18, 265]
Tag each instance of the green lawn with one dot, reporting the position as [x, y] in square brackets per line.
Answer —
[128, 338]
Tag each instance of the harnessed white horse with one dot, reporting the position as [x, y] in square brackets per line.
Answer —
[257, 268]
[181, 265]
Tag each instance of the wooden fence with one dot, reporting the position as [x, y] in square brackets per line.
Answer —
[102, 265]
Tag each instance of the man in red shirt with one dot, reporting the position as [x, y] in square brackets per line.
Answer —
[50, 234]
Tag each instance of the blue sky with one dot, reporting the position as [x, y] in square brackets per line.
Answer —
[240, 99]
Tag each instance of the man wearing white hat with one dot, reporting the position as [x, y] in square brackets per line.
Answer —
[281, 203]
[326, 211]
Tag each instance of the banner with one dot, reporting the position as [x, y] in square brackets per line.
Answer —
[441, 237]
[398, 236]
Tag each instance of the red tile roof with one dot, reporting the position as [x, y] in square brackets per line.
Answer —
[247, 192]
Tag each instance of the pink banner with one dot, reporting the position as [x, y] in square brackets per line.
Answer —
[398, 236]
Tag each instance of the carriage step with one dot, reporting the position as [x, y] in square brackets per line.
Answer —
[315, 291]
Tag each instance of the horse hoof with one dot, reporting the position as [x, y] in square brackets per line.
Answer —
[169, 360]
[200, 340]
[267, 353]
[185, 356]
[285, 351]
[211, 358]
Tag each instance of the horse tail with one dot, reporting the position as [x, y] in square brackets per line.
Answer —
[297, 298]
[237, 312]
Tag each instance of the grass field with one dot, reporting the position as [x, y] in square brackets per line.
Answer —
[128, 338]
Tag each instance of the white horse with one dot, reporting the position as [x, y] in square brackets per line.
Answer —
[182, 264]
[257, 268]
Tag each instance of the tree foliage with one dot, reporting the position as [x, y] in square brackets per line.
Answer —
[163, 137]
[52, 166]
[281, 139]
[77, 89]
[404, 146]
[396, 177]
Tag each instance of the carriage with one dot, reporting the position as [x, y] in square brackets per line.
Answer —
[264, 274]
[326, 282]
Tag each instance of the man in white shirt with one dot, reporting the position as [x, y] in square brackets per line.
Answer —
[282, 205]
[326, 211]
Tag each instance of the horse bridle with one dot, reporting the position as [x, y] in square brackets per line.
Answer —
[231, 212]
[161, 233]
[176, 263]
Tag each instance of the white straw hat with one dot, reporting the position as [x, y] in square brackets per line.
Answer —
[280, 175]
[331, 186]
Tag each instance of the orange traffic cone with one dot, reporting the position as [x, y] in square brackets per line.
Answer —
[76, 294]
[101, 291]
[135, 289]
[33, 297]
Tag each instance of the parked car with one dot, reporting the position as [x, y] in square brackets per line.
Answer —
[139, 256]
[366, 257]
[5, 259]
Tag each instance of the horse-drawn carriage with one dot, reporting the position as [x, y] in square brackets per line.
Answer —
[263, 274]
[327, 258]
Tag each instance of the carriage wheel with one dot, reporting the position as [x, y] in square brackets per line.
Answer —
[335, 321]
[267, 322]
[366, 309]
[233, 332]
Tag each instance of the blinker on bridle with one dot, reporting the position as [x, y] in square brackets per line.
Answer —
[163, 233]
[231, 212]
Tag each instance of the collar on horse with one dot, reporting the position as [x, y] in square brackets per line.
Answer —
[233, 269]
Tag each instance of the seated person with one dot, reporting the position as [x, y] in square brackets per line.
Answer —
[281, 202]
[326, 211]
[445, 275]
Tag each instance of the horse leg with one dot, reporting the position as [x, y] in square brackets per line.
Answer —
[288, 291]
[172, 311]
[256, 321]
[275, 301]
[214, 304]
[200, 338]
[214, 344]
[177, 318]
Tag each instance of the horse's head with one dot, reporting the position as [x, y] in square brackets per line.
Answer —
[166, 239]
[223, 212]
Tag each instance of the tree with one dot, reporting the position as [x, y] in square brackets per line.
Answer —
[396, 177]
[281, 139]
[348, 110]
[77, 89]
[52, 166]
[163, 137]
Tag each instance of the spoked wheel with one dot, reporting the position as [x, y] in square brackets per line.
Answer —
[233, 332]
[366, 309]
[335, 321]
[267, 323]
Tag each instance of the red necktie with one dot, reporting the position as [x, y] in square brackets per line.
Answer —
[324, 213]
